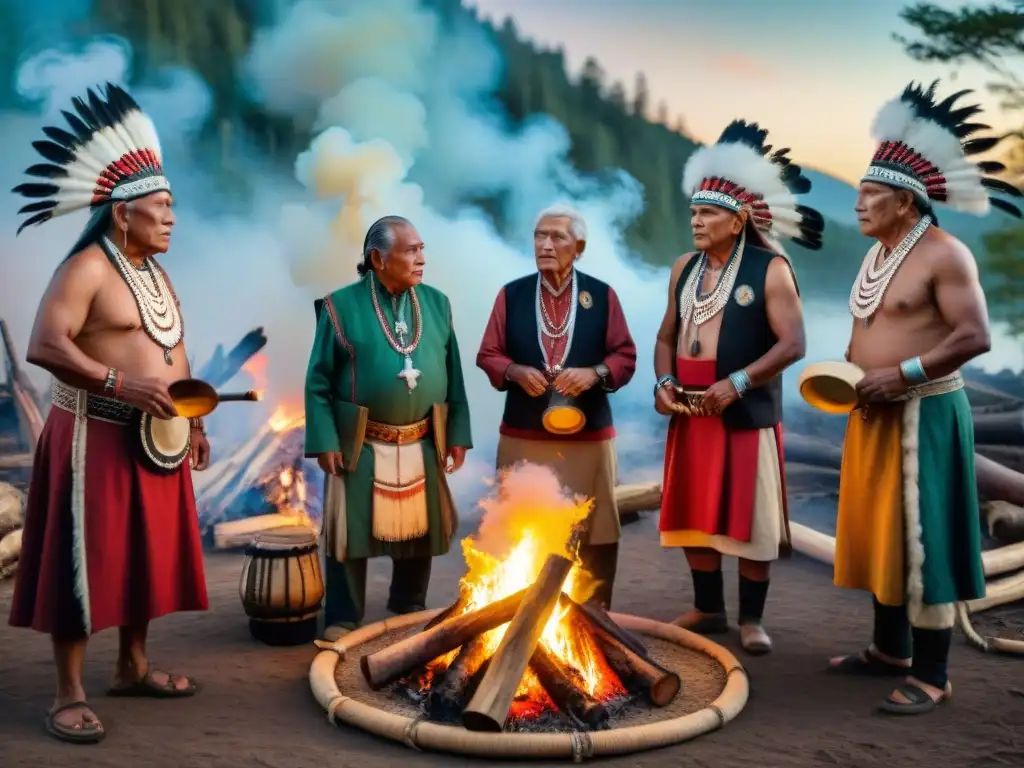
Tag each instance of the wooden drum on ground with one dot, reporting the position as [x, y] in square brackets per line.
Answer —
[282, 587]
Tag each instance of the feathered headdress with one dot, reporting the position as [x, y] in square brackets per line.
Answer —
[925, 146]
[741, 171]
[110, 154]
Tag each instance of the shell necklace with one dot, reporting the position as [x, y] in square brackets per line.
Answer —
[547, 327]
[158, 308]
[872, 281]
[696, 308]
[409, 373]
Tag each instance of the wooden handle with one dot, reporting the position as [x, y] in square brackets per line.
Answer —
[252, 396]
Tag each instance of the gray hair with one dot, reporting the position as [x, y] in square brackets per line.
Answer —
[380, 237]
[577, 225]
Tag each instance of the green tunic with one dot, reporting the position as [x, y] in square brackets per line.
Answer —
[362, 367]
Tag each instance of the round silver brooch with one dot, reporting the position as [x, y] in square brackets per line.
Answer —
[744, 295]
[586, 300]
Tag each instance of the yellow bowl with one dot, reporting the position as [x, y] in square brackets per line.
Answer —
[563, 420]
[831, 386]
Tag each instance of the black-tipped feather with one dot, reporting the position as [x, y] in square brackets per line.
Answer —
[1007, 207]
[966, 129]
[42, 205]
[60, 136]
[39, 218]
[32, 189]
[55, 153]
[81, 129]
[86, 114]
[47, 171]
[999, 185]
[977, 146]
[812, 220]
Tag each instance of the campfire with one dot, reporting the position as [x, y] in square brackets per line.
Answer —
[522, 646]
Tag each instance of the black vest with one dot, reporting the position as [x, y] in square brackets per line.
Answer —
[745, 336]
[588, 350]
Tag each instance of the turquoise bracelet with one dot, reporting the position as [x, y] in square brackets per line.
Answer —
[913, 371]
[663, 381]
[740, 380]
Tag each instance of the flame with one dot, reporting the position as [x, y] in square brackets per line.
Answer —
[256, 367]
[286, 417]
[529, 519]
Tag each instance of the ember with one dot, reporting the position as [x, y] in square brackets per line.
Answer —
[521, 647]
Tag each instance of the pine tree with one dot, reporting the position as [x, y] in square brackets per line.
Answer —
[641, 96]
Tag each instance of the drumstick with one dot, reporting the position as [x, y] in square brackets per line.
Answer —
[252, 396]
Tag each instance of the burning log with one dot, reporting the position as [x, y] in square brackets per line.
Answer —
[598, 616]
[488, 710]
[451, 610]
[659, 684]
[448, 694]
[391, 663]
[557, 679]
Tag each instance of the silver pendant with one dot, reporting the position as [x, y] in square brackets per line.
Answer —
[401, 328]
[409, 374]
[865, 322]
[167, 357]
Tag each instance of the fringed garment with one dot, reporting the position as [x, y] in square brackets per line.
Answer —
[908, 527]
[723, 488]
[107, 542]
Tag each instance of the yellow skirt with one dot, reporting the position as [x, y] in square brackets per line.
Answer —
[870, 540]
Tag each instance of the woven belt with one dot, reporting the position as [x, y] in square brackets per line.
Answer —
[98, 407]
[943, 386]
[389, 433]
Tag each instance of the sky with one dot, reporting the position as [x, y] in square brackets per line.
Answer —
[813, 72]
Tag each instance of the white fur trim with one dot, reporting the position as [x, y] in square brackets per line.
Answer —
[897, 121]
[922, 616]
[78, 551]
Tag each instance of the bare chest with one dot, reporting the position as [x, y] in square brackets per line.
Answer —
[909, 293]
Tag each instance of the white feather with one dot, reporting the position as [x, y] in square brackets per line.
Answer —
[751, 170]
[897, 121]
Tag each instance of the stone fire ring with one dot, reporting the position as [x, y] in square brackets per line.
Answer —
[422, 734]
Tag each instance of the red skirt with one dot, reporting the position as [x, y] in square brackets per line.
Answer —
[710, 475]
[134, 553]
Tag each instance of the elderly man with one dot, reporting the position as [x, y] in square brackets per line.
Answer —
[109, 540]
[908, 530]
[387, 419]
[733, 324]
[577, 345]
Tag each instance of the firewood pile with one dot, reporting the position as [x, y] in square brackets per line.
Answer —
[267, 483]
[533, 660]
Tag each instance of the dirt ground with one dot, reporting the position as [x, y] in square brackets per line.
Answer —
[257, 710]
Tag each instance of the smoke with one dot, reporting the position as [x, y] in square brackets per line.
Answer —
[406, 123]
